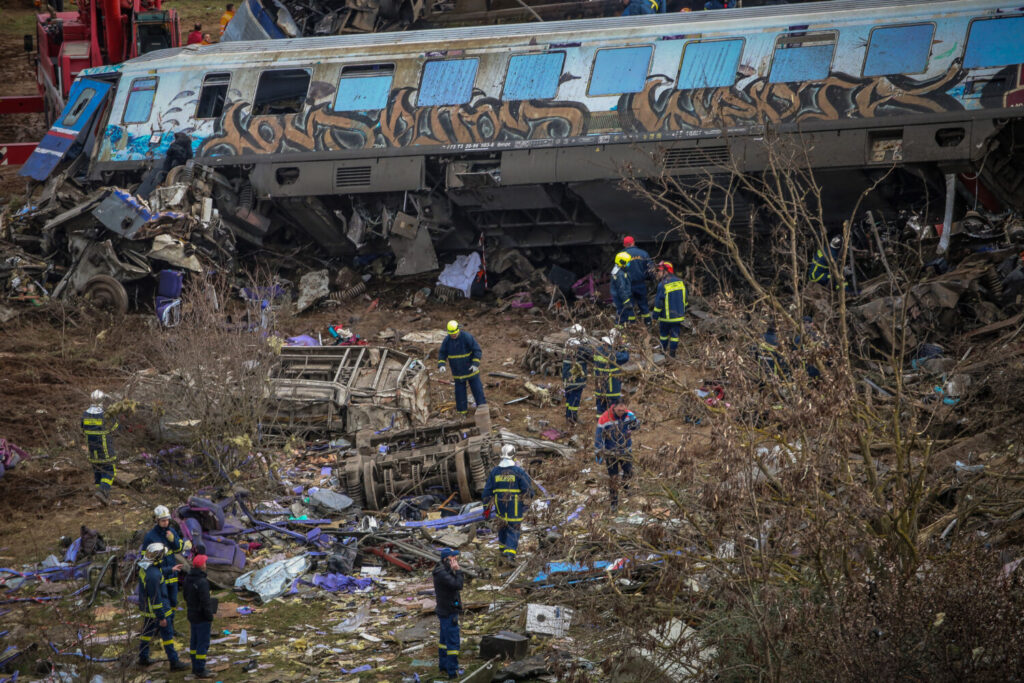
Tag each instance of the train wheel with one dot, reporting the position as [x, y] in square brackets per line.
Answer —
[107, 294]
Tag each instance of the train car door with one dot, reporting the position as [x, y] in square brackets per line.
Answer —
[64, 139]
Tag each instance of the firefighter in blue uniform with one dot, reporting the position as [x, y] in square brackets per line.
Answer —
[608, 363]
[622, 289]
[98, 428]
[166, 535]
[669, 307]
[505, 489]
[613, 446]
[155, 609]
[640, 7]
[821, 270]
[448, 582]
[574, 372]
[463, 354]
[638, 269]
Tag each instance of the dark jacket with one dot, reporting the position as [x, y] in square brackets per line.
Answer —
[159, 535]
[462, 353]
[447, 587]
[505, 488]
[201, 607]
[98, 430]
[153, 602]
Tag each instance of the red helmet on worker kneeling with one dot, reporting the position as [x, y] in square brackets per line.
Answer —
[665, 265]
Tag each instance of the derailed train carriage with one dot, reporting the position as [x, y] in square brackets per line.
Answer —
[520, 133]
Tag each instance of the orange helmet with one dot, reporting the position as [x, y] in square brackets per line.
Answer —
[665, 265]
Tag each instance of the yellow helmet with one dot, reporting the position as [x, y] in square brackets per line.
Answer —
[453, 326]
[622, 258]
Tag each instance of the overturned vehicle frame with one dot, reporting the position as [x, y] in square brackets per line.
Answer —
[328, 390]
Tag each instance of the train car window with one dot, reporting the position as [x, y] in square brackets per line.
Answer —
[898, 50]
[709, 64]
[140, 100]
[80, 105]
[620, 70]
[364, 87]
[447, 82]
[995, 42]
[802, 58]
[533, 77]
[279, 92]
[213, 95]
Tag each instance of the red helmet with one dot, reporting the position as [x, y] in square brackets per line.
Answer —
[628, 241]
[665, 265]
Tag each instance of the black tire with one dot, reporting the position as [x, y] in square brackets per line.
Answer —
[106, 293]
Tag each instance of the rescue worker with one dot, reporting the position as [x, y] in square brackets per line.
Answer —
[196, 36]
[613, 446]
[155, 609]
[608, 371]
[505, 489]
[821, 269]
[201, 610]
[669, 307]
[622, 289]
[574, 372]
[638, 269]
[463, 354]
[225, 19]
[639, 7]
[448, 581]
[98, 431]
[770, 357]
[163, 533]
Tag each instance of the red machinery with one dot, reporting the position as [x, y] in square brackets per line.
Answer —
[100, 33]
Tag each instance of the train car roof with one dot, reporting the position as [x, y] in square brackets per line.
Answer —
[738, 19]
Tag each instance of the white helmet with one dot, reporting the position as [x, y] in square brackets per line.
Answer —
[97, 396]
[606, 340]
[507, 451]
[155, 550]
[577, 330]
[614, 334]
[161, 512]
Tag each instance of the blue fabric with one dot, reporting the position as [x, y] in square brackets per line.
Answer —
[153, 631]
[103, 475]
[505, 489]
[98, 431]
[607, 372]
[476, 386]
[638, 268]
[448, 645]
[508, 538]
[640, 7]
[199, 644]
[670, 300]
[340, 582]
[461, 353]
[668, 335]
[573, 397]
[621, 289]
[819, 270]
[159, 535]
[152, 592]
[613, 433]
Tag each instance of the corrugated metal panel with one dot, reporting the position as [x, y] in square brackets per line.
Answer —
[742, 19]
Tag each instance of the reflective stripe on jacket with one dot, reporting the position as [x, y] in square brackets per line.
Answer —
[607, 368]
[97, 430]
[462, 353]
[153, 600]
[670, 301]
[506, 487]
[621, 289]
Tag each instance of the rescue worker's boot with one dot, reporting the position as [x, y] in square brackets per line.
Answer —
[103, 497]
[144, 662]
[179, 666]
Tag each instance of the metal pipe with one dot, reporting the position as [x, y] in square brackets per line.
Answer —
[947, 218]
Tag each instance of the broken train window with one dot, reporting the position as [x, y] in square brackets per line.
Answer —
[76, 111]
[279, 92]
[447, 82]
[802, 57]
[364, 87]
[213, 95]
[140, 100]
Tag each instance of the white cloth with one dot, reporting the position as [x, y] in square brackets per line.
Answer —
[461, 273]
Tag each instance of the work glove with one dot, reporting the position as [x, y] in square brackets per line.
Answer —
[170, 535]
[188, 545]
[474, 368]
[442, 369]
[487, 513]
